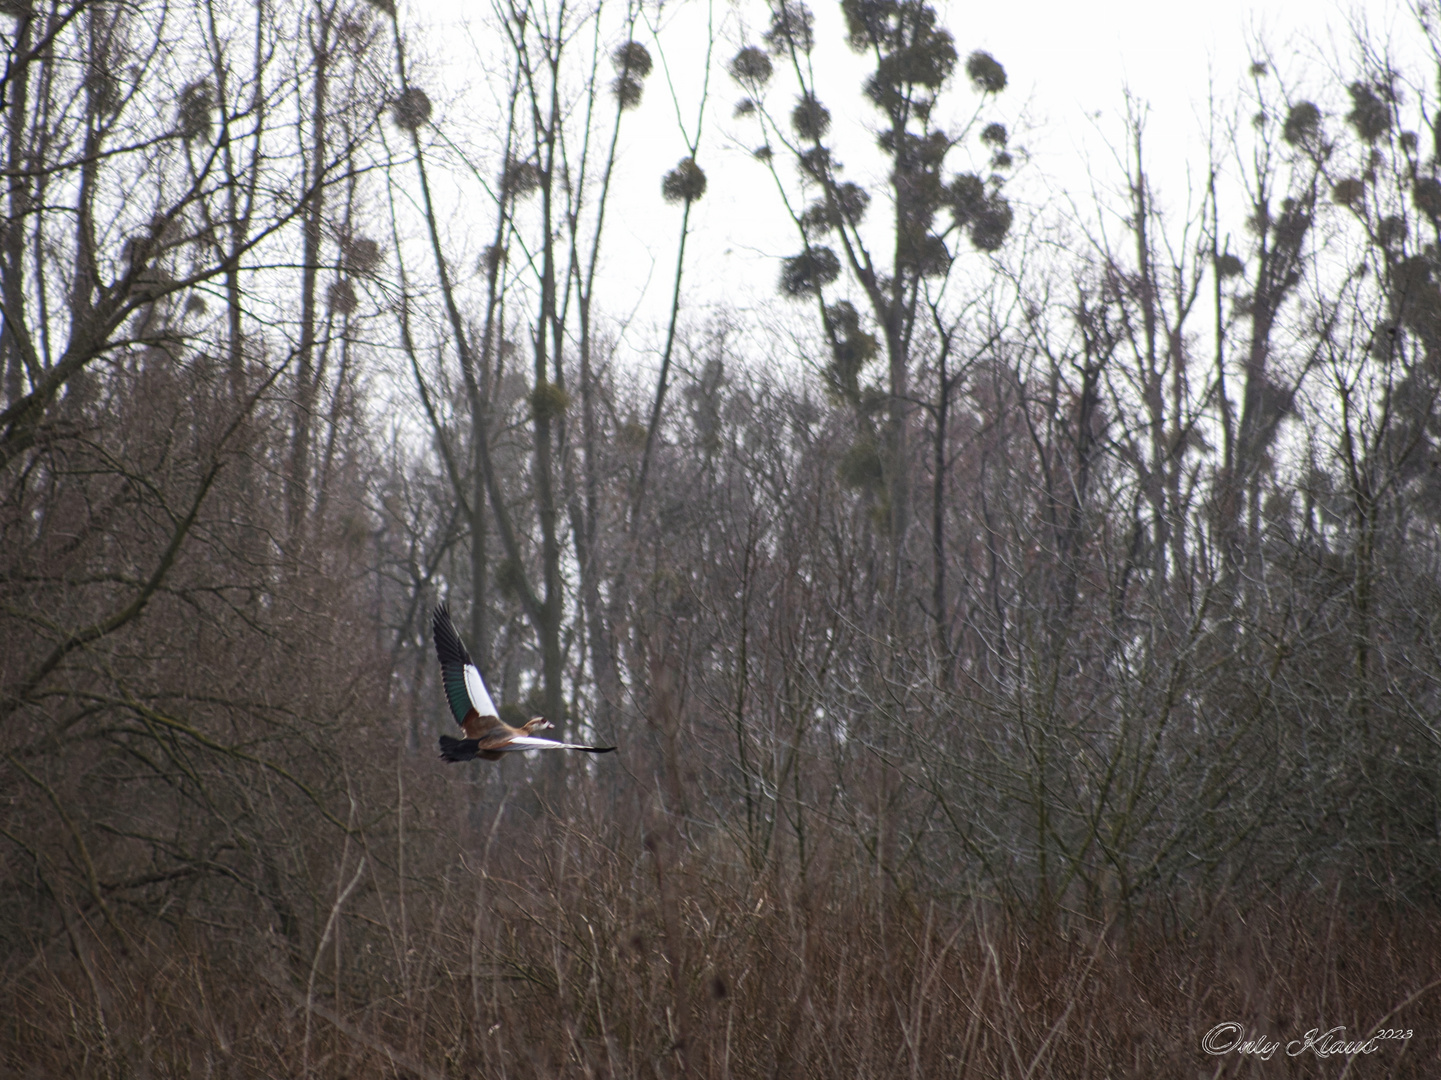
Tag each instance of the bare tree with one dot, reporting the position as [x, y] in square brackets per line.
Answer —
[915, 58]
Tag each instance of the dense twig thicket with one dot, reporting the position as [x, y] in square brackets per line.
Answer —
[1042, 670]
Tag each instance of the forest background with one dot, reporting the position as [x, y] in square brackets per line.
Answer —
[1020, 619]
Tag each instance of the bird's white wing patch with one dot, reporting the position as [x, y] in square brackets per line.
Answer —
[534, 742]
[479, 696]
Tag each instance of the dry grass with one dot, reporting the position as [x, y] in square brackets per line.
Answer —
[570, 951]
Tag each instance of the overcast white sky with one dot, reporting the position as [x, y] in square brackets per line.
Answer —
[1068, 63]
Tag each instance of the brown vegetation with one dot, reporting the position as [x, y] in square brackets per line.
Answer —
[575, 950]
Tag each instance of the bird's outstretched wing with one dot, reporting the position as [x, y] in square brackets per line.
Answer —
[464, 688]
[535, 742]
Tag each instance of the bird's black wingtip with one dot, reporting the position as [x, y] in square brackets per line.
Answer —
[449, 649]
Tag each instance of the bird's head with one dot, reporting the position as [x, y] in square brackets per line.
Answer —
[537, 723]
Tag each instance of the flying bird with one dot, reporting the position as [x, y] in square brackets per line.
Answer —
[486, 735]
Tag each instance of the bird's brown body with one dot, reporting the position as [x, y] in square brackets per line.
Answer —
[494, 734]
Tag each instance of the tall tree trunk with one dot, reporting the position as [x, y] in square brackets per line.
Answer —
[298, 489]
[16, 348]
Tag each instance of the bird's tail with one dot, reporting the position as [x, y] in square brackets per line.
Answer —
[458, 749]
